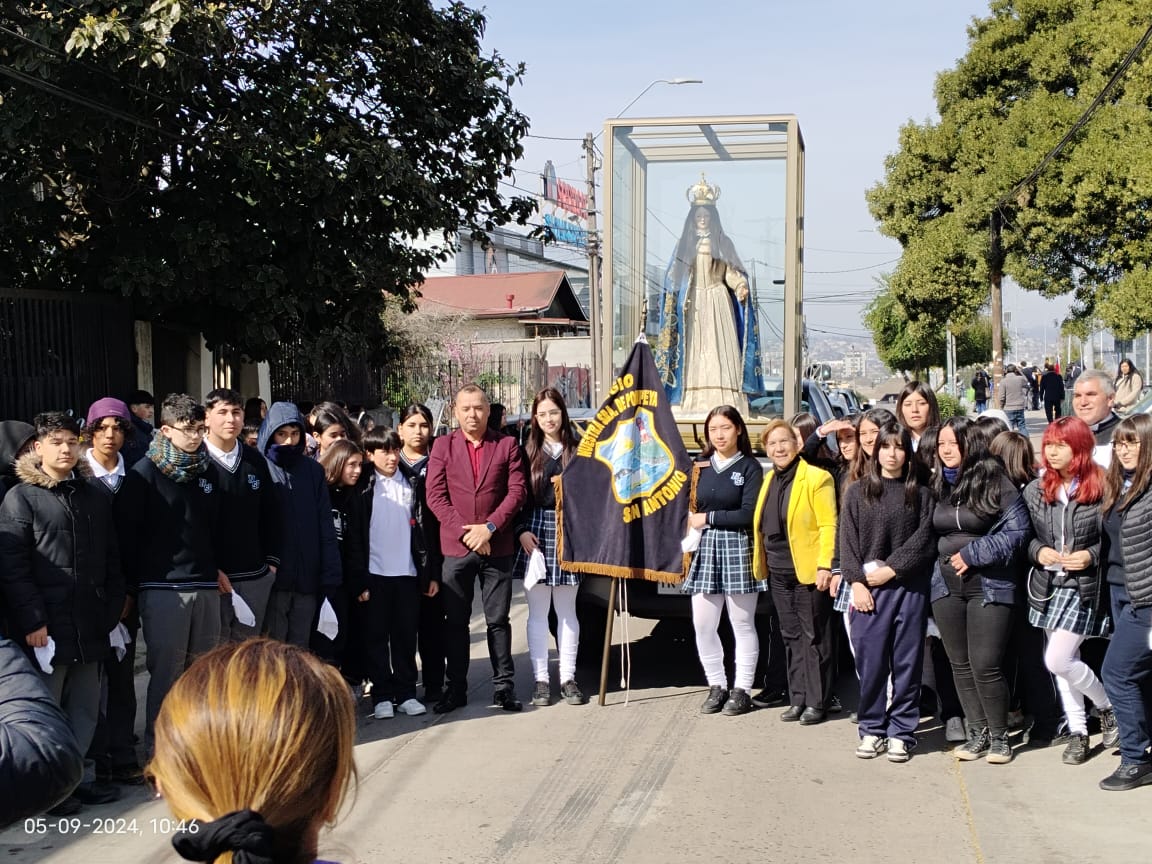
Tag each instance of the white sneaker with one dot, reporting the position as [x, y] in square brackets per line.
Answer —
[897, 750]
[871, 746]
[954, 730]
[412, 708]
[384, 711]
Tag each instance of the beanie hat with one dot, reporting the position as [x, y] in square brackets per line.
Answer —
[140, 397]
[107, 407]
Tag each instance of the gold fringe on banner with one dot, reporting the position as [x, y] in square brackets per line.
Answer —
[597, 569]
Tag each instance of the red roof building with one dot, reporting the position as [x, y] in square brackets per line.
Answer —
[519, 305]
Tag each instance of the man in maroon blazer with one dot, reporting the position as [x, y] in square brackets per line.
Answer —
[476, 486]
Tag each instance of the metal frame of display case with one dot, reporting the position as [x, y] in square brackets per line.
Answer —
[661, 139]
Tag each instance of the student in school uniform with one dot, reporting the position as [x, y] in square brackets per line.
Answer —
[724, 491]
[886, 553]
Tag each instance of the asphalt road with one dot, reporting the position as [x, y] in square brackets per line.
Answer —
[649, 779]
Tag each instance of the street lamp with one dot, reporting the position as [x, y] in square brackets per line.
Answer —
[672, 81]
[594, 310]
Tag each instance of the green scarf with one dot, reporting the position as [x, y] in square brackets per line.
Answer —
[175, 463]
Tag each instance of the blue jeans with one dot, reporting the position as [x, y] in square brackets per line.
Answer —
[981, 406]
[1127, 675]
[1016, 421]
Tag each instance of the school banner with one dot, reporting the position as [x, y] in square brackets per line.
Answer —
[623, 498]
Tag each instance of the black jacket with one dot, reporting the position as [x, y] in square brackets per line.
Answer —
[14, 434]
[60, 561]
[1136, 547]
[176, 526]
[1051, 387]
[349, 520]
[309, 554]
[40, 761]
[250, 522]
[1079, 526]
[426, 538]
[980, 386]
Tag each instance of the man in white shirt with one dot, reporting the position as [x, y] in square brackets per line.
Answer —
[1092, 399]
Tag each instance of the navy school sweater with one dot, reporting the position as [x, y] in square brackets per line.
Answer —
[250, 522]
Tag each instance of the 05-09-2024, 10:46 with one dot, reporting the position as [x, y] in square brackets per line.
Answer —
[120, 826]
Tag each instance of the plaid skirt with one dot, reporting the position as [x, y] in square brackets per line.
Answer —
[543, 524]
[723, 564]
[1065, 612]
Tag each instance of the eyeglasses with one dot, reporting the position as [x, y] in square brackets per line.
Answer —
[1125, 445]
[191, 431]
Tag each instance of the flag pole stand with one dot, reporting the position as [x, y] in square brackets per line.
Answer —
[608, 640]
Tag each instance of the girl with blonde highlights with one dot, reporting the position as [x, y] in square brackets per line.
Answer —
[254, 742]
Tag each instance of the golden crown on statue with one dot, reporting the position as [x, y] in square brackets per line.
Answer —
[702, 193]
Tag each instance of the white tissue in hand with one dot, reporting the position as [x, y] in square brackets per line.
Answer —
[537, 569]
[328, 625]
[44, 655]
[691, 541]
[118, 638]
[243, 611]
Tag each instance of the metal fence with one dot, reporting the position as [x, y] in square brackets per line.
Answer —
[61, 351]
[511, 381]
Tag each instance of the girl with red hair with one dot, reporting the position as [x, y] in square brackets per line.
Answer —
[1065, 587]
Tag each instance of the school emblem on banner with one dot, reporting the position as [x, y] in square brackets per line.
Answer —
[623, 497]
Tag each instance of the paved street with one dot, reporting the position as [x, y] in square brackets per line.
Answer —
[655, 781]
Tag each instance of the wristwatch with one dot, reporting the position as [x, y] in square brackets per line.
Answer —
[491, 526]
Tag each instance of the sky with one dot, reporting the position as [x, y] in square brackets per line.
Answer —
[853, 73]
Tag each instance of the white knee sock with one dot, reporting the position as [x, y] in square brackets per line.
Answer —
[539, 602]
[706, 619]
[742, 614]
[567, 629]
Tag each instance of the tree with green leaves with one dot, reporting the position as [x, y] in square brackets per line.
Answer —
[914, 344]
[1082, 226]
[257, 171]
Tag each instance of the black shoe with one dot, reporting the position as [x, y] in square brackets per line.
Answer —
[432, 695]
[542, 694]
[812, 716]
[999, 750]
[1076, 753]
[451, 700]
[739, 702]
[717, 696]
[976, 746]
[769, 698]
[505, 699]
[96, 793]
[1109, 728]
[571, 694]
[792, 713]
[70, 806]
[1130, 775]
[834, 706]
[1046, 737]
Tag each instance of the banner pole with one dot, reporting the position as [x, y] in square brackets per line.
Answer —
[608, 640]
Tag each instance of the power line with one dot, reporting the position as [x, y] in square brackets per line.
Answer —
[1080, 123]
[86, 101]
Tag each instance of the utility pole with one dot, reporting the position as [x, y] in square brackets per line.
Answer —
[996, 276]
[594, 311]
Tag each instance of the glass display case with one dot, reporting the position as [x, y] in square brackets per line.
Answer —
[703, 245]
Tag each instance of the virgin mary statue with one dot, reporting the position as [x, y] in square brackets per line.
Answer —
[708, 349]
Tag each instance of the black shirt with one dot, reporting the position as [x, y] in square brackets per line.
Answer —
[774, 519]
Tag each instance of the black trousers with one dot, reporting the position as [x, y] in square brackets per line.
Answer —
[114, 743]
[459, 588]
[431, 642]
[771, 667]
[1052, 410]
[806, 628]
[390, 621]
[1029, 681]
[976, 637]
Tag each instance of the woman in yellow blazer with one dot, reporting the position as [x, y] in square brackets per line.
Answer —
[794, 541]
